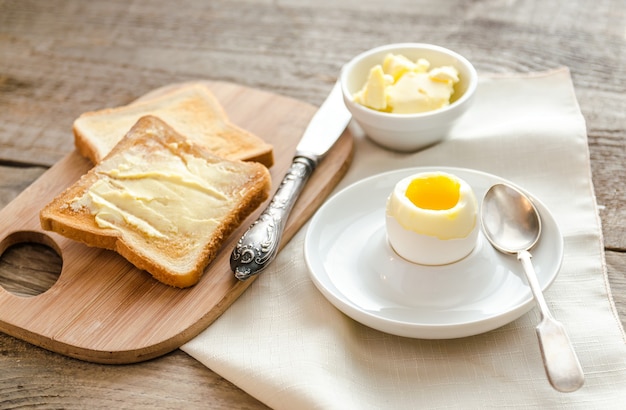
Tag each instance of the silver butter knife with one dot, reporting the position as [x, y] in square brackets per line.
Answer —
[259, 245]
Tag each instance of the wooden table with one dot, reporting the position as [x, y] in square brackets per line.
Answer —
[59, 58]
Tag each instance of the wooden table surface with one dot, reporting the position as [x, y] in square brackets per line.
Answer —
[59, 58]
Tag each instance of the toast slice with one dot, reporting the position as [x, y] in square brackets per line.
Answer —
[191, 109]
[163, 202]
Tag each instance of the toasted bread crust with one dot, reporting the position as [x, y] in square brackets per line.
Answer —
[78, 223]
[192, 110]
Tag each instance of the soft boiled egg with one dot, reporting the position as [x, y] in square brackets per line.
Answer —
[431, 218]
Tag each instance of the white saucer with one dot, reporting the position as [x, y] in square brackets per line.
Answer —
[354, 267]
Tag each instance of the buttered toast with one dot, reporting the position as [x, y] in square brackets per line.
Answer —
[191, 109]
[162, 201]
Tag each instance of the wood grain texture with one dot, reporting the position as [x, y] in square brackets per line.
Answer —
[59, 58]
[101, 308]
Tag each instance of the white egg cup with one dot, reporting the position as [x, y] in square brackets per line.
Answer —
[428, 236]
[428, 250]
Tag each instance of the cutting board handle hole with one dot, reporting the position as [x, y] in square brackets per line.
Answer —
[27, 273]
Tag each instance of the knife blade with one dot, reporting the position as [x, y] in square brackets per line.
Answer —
[256, 249]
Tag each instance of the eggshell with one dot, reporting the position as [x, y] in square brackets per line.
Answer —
[431, 237]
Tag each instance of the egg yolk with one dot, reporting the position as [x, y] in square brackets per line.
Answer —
[435, 192]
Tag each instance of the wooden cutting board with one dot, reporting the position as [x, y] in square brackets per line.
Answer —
[103, 309]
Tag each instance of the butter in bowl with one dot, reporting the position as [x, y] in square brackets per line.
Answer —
[408, 96]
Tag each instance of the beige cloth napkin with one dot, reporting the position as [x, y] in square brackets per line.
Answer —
[286, 345]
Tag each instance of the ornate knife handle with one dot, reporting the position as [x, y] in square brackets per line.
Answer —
[259, 245]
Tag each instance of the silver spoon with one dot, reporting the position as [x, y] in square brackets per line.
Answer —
[512, 225]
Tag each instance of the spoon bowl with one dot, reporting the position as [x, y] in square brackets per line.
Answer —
[510, 220]
[512, 224]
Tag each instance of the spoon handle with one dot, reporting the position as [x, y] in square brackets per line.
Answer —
[535, 287]
[559, 358]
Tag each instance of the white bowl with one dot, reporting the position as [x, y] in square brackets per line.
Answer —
[408, 132]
